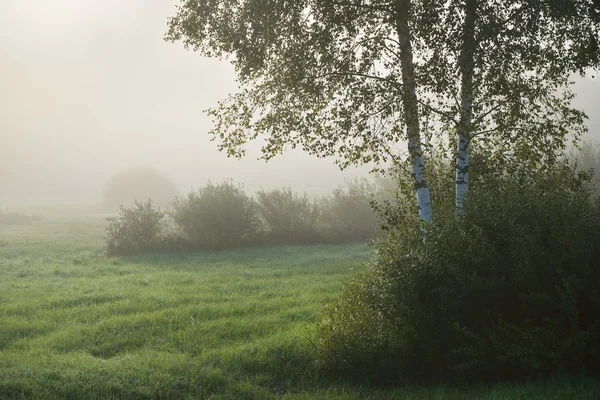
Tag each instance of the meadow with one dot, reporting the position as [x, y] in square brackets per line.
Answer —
[76, 324]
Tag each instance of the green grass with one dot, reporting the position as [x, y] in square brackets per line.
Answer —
[77, 325]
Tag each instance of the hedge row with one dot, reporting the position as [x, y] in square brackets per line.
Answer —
[223, 216]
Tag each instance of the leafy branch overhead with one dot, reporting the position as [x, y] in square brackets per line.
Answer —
[325, 75]
[353, 79]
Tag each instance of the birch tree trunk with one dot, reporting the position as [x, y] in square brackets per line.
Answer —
[466, 111]
[411, 111]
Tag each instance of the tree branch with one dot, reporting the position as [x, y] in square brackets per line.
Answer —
[444, 114]
[488, 112]
[513, 128]
[356, 74]
[370, 7]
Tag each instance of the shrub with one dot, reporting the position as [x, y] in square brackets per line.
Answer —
[510, 291]
[217, 216]
[125, 187]
[588, 159]
[346, 215]
[287, 217]
[14, 218]
[135, 230]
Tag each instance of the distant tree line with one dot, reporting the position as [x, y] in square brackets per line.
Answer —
[223, 216]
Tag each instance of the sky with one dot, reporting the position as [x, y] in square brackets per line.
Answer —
[89, 88]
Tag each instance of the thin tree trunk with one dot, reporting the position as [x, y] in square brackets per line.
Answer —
[411, 111]
[467, 66]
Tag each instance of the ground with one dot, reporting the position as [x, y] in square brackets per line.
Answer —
[75, 324]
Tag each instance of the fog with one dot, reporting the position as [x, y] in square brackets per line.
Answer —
[89, 88]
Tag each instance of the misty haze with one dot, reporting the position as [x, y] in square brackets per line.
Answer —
[250, 199]
[90, 88]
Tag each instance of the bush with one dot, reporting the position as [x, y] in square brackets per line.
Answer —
[135, 230]
[14, 218]
[124, 188]
[287, 217]
[217, 217]
[222, 216]
[510, 291]
[588, 159]
[346, 215]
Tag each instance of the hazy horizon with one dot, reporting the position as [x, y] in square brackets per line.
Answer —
[90, 88]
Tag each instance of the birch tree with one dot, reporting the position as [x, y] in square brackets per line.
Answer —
[515, 59]
[355, 78]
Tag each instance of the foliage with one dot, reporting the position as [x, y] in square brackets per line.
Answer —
[519, 298]
[587, 158]
[134, 230]
[346, 214]
[321, 74]
[222, 216]
[393, 201]
[287, 217]
[124, 188]
[339, 78]
[217, 216]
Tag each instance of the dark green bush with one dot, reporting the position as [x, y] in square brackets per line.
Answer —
[135, 230]
[217, 217]
[287, 217]
[510, 291]
[346, 214]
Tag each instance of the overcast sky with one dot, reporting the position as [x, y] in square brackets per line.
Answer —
[89, 88]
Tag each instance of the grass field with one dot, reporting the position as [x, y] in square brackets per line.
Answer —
[77, 325]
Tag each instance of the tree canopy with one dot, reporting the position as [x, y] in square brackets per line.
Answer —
[327, 76]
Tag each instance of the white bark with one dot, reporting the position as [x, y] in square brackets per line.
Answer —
[462, 174]
[411, 111]
[418, 171]
[467, 70]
